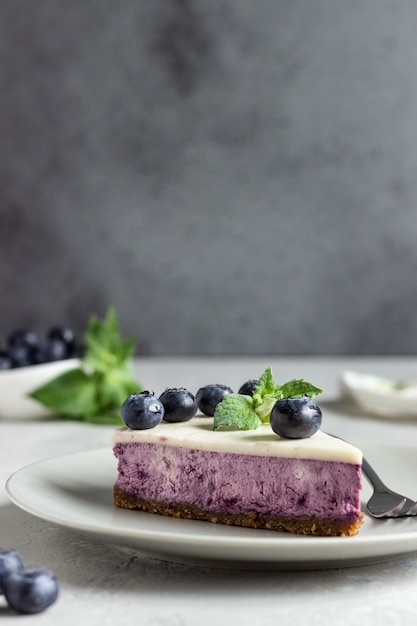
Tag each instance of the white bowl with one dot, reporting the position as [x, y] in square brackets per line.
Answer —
[381, 396]
[15, 384]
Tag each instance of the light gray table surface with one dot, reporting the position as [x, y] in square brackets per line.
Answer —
[105, 584]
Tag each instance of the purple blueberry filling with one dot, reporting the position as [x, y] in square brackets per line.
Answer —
[234, 483]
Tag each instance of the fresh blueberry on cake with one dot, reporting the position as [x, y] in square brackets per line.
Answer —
[142, 410]
[179, 405]
[261, 462]
[248, 387]
[209, 396]
[295, 418]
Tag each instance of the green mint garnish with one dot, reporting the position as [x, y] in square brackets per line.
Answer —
[266, 387]
[299, 387]
[238, 412]
[95, 391]
[235, 412]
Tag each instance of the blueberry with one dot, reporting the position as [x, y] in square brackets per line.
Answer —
[30, 590]
[208, 397]
[248, 387]
[21, 355]
[50, 350]
[22, 345]
[141, 411]
[6, 362]
[10, 561]
[180, 405]
[66, 335]
[23, 337]
[295, 418]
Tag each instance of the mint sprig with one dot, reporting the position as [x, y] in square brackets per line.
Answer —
[94, 391]
[239, 412]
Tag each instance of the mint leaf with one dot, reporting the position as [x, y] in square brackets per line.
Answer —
[113, 387]
[264, 410]
[71, 393]
[104, 348]
[266, 386]
[298, 387]
[235, 412]
[95, 391]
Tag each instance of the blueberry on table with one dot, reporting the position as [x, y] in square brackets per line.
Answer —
[30, 590]
[179, 404]
[248, 387]
[295, 418]
[10, 561]
[141, 411]
[208, 397]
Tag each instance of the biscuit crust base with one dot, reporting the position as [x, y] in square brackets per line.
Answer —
[303, 525]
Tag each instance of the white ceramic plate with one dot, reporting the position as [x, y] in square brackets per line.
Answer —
[76, 491]
[15, 384]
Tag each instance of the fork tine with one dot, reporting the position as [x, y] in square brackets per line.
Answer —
[411, 511]
[400, 510]
[407, 509]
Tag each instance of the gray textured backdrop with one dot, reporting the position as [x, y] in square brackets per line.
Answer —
[236, 177]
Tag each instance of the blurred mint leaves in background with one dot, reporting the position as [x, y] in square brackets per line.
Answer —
[94, 391]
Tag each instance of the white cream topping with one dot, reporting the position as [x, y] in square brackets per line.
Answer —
[198, 434]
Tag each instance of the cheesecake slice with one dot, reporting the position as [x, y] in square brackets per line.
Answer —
[246, 478]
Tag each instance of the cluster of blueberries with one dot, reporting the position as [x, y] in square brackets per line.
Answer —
[293, 418]
[24, 347]
[27, 590]
[145, 410]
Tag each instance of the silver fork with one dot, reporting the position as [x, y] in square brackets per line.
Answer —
[384, 502]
